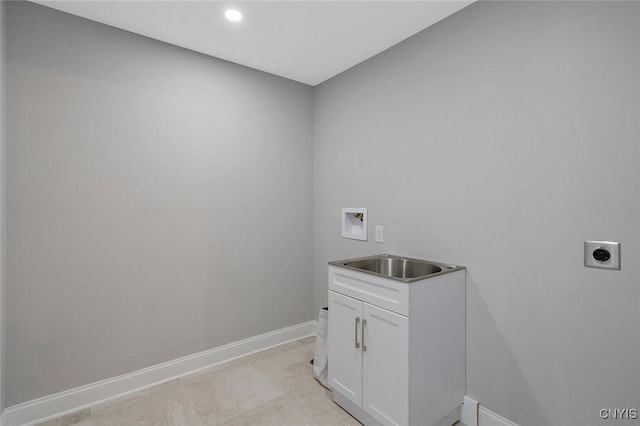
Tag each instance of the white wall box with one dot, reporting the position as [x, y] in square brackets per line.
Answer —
[354, 223]
[397, 349]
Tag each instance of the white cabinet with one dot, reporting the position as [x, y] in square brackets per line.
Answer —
[396, 349]
[360, 366]
[345, 319]
[385, 365]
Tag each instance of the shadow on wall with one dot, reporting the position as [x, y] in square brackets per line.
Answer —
[499, 370]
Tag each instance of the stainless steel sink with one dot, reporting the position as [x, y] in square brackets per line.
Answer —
[396, 267]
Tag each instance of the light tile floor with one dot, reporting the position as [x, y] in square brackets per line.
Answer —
[271, 388]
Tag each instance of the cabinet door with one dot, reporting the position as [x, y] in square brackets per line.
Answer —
[385, 360]
[345, 356]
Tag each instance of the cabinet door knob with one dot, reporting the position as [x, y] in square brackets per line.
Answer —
[364, 347]
[357, 323]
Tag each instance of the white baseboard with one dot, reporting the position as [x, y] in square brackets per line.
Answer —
[69, 401]
[469, 411]
[489, 418]
[474, 414]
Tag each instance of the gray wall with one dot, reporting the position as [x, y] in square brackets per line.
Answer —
[3, 269]
[142, 176]
[153, 196]
[500, 139]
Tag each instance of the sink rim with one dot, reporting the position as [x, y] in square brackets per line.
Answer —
[445, 267]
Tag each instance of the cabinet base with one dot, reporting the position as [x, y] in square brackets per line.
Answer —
[357, 412]
[364, 418]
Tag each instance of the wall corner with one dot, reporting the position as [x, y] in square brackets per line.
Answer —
[3, 272]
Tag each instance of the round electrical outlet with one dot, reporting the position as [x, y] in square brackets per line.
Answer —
[601, 255]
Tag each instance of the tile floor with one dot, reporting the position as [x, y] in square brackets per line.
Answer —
[272, 388]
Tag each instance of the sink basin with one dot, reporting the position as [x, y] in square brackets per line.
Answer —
[396, 267]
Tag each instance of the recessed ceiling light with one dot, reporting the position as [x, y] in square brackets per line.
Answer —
[233, 15]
